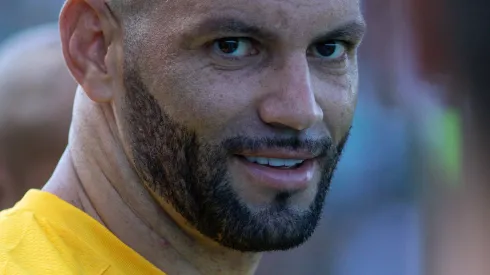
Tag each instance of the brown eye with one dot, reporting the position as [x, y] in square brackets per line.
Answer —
[234, 47]
[328, 50]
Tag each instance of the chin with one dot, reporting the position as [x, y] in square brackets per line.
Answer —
[281, 224]
[273, 230]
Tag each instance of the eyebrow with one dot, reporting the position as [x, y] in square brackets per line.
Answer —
[352, 30]
[232, 26]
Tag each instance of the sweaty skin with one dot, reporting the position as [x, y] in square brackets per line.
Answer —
[36, 99]
[206, 132]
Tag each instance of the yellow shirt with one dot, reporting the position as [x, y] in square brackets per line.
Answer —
[43, 234]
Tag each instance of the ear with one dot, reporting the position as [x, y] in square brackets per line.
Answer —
[87, 30]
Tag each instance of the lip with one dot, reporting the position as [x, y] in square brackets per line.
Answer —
[290, 180]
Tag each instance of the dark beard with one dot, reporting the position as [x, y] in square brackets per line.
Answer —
[192, 176]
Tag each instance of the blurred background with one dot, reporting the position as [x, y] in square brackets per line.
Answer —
[403, 201]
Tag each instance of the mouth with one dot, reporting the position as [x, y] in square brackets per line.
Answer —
[281, 173]
[278, 163]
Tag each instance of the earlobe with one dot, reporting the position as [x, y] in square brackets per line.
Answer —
[85, 48]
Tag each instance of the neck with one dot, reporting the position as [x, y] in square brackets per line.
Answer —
[95, 175]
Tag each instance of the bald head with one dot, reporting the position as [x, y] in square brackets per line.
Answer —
[36, 95]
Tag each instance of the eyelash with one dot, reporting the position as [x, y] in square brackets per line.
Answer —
[349, 46]
[253, 42]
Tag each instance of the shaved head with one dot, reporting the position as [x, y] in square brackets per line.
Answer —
[36, 95]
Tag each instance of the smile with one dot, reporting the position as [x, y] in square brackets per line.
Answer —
[276, 162]
[279, 171]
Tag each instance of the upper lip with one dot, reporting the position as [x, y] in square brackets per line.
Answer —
[278, 154]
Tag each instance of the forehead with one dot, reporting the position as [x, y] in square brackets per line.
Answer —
[280, 15]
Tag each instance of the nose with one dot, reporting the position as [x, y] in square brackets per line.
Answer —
[290, 102]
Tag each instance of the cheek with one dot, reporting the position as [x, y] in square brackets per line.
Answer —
[204, 99]
[338, 100]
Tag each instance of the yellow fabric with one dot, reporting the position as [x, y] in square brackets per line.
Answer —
[43, 234]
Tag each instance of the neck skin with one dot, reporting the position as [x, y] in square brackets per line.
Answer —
[95, 175]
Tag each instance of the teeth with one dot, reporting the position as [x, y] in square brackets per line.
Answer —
[275, 162]
[291, 162]
[262, 161]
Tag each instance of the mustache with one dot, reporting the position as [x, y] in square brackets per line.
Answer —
[317, 147]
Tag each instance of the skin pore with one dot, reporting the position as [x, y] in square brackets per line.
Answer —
[177, 99]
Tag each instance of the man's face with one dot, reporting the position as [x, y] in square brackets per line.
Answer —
[235, 112]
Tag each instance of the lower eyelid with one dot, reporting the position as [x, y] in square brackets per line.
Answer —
[231, 58]
[326, 62]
